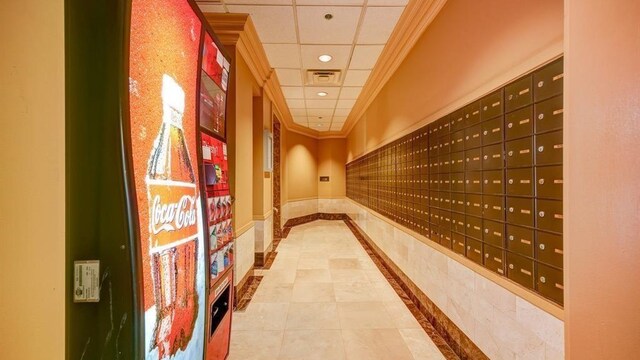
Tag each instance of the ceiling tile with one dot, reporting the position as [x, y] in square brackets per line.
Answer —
[315, 29]
[311, 93]
[356, 77]
[320, 119]
[339, 119]
[340, 54]
[298, 112]
[365, 56]
[321, 104]
[283, 55]
[345, 104]
[386, 2]
[210, 8]
[341, 112]
[293, 92]
[320, 112]
[289, 77]
[300, 120]
[260, 2]
[330, 2]
[296, 103]
[275, 24]
[336, 126]
[320, 126]
[378, 24]
[350, 93]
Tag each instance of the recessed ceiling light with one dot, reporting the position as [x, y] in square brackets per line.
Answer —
[325, 58]
[323, 94]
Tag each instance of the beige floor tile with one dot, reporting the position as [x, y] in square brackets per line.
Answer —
[313, 263]
[420, 345]
[266, 316]
[364, 315]
[309, 316]
[375, 344]
[384, 290]
[313, 292]
[344, 263]
[354, 291]
[348, 275]
[284, 263]
[275, 277]
[313, 275]
[273, 294]
[255, 345]
[312, 345]
[401, 316]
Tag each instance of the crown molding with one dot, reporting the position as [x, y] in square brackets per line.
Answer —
[238, 30]
[415, 19]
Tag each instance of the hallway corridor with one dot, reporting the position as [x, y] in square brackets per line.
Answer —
[324, 298]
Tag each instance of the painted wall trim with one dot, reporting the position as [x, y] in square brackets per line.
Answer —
[263, 217]
[412, 23]
[530, 296]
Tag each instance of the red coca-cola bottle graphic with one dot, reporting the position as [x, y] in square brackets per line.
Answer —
[173, 227]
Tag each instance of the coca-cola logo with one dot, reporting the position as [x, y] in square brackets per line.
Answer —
[173, 216]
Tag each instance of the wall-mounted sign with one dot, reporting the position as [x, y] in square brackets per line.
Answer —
[324, 179]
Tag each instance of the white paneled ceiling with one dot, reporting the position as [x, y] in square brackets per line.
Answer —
[296, 32]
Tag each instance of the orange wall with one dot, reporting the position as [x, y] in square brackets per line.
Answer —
[32, 180]
[469, 49]
[331, 161]
[301, 168]
[602, 168]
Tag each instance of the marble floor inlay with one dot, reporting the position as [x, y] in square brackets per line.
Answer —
[325, 298]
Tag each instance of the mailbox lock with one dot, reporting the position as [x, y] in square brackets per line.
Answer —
[541, 213]
[486, 157]
[511, 237]
[486, 231]
[540, 83]
[541, 116]
[485, 108]
[510, 181]
[542, 279]
[511, 266]
[486, 255]
[486, 206]
[541, 181]
[511, 209]
[540, 148]
[511, 97]
[468, 247]
[486, 181]
[511, 153]
[541, 246]
[485, 132]
[510, 125]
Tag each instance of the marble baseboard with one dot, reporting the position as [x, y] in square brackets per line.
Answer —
[253, 281]
[242, 287]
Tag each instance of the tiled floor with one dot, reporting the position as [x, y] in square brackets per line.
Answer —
[324, 298]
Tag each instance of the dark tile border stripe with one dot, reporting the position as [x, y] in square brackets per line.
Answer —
[447, 336]
[252, 285]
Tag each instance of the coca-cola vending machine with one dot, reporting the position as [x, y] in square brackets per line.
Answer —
[149, 232]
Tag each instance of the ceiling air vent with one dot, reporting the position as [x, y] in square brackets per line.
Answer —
[324, 77]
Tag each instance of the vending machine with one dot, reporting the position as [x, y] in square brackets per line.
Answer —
[149, 220]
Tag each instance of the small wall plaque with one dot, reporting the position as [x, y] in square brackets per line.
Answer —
[324, 179]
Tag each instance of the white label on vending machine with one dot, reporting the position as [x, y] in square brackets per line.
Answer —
[86, 281]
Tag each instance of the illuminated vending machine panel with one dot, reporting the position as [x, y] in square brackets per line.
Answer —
[185, 238]
[213, 91]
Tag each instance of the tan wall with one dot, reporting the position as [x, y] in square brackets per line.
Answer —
[302, 166]
[240, 140]
[332, 158]
[32, 279]
[466, 52]
[602, 168]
